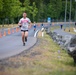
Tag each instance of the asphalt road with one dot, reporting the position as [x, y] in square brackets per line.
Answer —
[11, 45]
[62, 33]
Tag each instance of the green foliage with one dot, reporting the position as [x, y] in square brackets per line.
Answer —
[36, 9]
[54, 8]
[1, 5]
[30, 9]
[6, 8]
[15, 8]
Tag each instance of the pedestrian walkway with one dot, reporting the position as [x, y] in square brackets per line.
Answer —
[62, 33]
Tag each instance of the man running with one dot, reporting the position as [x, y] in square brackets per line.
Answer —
[24, 24]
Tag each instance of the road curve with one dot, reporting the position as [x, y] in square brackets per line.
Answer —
[12, 44]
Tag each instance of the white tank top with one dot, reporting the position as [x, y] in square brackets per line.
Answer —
[25, 23]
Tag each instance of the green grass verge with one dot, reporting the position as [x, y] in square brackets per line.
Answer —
[71, 30]
[8, 26]
[54, 27]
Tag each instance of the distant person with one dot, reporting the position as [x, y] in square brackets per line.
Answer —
[75, 24]
[24, 24]
[34, 26]
[61, 26]
[50, 24]
[42, 25]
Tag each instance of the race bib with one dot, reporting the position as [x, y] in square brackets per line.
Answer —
[25, 25]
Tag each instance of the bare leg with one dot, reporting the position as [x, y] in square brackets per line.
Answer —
[26, 35]
[23, 36]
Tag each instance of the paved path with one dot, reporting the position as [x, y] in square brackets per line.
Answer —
[63, 33]
[12, 44]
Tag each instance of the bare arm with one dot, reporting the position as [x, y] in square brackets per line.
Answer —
[30, 24]
[19, 24]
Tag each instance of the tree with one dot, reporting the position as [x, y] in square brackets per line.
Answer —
[30, 9]
[6, 8]
[15, 9]
[40, 10]
[11, 9]
[22, 1]
[26, 6]
[1, 8]
[1, 5]
[34, 11]
[54, 8]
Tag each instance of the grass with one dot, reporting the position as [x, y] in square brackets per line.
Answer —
[71, 30]
[46, 58]
[8, 26]
[54, 27]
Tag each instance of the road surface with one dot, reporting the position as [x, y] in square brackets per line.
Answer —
[11, 45]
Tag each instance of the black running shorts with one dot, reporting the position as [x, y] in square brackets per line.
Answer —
[24, 30]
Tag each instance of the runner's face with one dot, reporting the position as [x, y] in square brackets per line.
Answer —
[24, 15]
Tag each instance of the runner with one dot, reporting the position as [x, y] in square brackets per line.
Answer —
[42, 25]
[34, 26]
[24, 24]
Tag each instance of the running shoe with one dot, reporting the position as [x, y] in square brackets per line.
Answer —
[23, 44]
